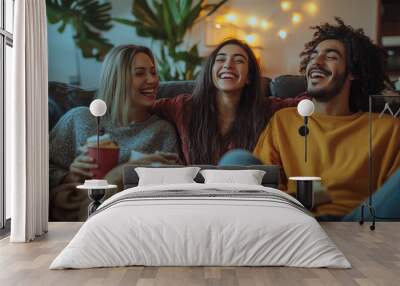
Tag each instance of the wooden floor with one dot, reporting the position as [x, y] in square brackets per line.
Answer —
[375, 257]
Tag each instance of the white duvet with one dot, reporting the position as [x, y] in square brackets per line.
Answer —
[192, 231]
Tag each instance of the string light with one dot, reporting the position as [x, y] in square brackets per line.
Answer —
[239, 26]
[311, 8]
[282, 34]
[286, 5]
[220, 19]
[265, 24]
[252, 21]
[296, 18]
[231, 18]
[250, 39]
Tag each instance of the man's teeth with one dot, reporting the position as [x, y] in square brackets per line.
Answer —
[317, 74]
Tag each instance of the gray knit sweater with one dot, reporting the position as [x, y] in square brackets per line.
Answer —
[78, 124]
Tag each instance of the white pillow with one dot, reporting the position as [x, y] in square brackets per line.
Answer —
[248, 177]
[163, 176]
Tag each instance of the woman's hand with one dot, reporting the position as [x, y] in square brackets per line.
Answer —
[80, 168]
[82, 165]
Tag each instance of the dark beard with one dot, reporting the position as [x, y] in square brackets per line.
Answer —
[326, 94]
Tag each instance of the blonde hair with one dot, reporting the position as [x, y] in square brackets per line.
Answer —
[115, 81]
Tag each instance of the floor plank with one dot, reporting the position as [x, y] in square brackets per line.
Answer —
[375, 257]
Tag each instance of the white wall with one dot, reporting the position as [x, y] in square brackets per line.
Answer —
[278, 57]
[281, 56]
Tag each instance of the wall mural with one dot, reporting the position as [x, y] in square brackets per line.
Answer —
[137, 51]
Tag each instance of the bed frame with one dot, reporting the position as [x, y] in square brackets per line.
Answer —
[270, 179]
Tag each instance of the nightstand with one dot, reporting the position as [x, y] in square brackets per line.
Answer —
[95, 193]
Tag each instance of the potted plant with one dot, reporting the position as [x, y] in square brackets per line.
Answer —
[168, 22]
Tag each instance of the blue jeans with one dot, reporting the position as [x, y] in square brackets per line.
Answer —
[386, 200]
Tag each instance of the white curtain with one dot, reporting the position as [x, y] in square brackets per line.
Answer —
[27, 124]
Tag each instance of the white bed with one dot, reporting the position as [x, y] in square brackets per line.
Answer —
[225, 225]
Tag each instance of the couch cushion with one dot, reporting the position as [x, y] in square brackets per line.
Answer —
[170, 89]
[285, 86]
[63, 97]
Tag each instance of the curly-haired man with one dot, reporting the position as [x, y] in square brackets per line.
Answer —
[343, 67]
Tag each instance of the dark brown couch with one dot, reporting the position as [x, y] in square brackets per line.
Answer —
[63, 97]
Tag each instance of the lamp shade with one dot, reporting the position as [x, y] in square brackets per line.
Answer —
[305, 107]
[98, 107]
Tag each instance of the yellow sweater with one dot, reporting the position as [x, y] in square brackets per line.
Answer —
[337, 152]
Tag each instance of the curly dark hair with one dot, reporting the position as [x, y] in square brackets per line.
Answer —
[365, 60]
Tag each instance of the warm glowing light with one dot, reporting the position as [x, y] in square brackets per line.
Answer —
[217, 32]
[286, 5]
[250, 39]
[257, 53]
[252, 21]
[220, 19]
[265, 24]
[311, 8]
[231, 18]
[282, 34]
[296, 18]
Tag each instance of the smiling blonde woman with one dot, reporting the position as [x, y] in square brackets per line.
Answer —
[128, 85]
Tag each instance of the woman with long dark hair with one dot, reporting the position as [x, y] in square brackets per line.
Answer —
[228, 108]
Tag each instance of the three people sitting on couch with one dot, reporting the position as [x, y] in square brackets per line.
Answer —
[228, 110]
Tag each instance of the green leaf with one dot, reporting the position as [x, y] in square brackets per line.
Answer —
[142, 12]
[191, 17]
[92, 44]
[175, 13]
[62, 27]
[54, 13]
[167, 20]
[184, 6]
[88, 18]
[124, 21]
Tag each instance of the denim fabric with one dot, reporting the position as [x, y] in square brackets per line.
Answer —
[386, 202]
[238, 157]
